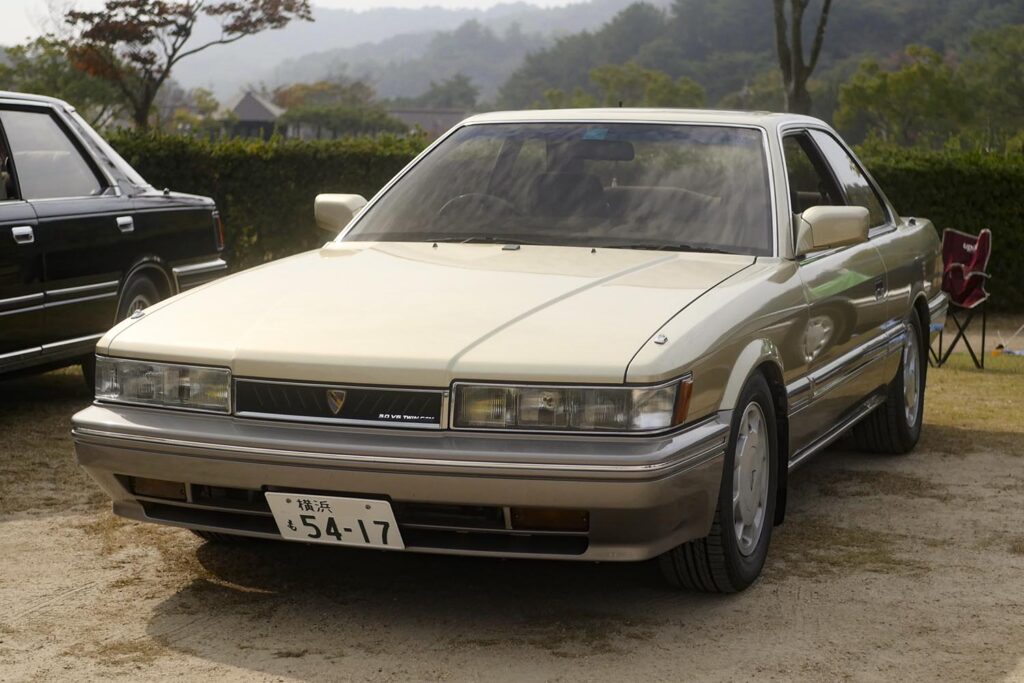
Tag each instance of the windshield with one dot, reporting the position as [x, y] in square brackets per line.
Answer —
[645, 186]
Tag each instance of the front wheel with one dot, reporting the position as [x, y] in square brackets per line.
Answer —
[730, 558]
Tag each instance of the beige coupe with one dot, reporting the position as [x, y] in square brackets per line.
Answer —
[586, 334]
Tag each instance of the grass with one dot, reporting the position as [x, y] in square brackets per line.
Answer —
[967, 408]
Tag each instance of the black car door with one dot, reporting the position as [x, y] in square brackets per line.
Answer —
[83, 223]
[21, 279]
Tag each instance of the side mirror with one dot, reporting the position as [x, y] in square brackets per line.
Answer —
[827, 227]
[334, 211]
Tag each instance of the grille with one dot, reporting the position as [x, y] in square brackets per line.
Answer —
[423, 525]
[336, 403]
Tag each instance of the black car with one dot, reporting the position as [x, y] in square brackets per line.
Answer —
[84, 240]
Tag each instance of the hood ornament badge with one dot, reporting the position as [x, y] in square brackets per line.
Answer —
[336, 400]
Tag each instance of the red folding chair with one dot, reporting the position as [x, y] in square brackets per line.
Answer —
[965, 264]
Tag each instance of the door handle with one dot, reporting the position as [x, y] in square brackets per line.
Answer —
[125, 223]
[879, 288]
[23, 234]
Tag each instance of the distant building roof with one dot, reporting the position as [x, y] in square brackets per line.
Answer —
[433, 121]
[252, 107]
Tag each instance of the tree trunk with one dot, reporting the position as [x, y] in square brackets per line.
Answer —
[798, 100]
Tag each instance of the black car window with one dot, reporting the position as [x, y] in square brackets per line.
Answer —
[7, 189]
[47, 162]
[859, 191]
[810, 183]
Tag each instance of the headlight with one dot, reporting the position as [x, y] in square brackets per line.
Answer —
[163, 384]
[569, 409]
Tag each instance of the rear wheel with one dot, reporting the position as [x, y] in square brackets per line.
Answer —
[140, 292]
[895, 426]
[730, 558]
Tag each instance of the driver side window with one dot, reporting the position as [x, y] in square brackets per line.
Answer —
[810, 182]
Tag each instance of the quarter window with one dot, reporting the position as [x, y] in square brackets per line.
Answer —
[855, 184]
[48, 164]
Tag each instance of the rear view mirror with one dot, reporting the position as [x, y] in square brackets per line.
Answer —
[827, 227]
[334, 211]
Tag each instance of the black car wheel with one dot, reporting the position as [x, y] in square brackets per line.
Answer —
[730, 558]
[140, 292]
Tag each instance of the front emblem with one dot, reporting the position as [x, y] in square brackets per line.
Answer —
[335, 400]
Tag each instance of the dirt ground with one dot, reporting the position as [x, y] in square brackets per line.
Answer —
[887, 569]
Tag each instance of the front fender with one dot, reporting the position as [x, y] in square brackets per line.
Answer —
[750, 358]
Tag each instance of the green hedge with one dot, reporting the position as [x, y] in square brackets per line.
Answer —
[265, 190]
[967, 191]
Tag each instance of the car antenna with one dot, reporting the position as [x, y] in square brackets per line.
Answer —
[620, 104]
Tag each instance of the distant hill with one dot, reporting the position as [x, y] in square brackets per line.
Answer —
[374, 39]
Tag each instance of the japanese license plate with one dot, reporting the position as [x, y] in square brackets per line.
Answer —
[335, 520]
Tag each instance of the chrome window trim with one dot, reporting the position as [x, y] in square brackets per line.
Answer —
[795, 127]
[765, 148]
[686, 377]
[70, 131]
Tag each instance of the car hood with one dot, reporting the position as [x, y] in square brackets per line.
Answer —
[416, 314]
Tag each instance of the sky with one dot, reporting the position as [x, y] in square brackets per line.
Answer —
[23, 19]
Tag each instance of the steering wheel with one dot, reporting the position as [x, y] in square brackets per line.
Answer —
[477, 205]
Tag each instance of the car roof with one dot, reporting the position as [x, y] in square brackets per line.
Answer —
[762, 119]
[29, 97]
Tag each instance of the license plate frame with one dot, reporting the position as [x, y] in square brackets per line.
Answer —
[335, 520]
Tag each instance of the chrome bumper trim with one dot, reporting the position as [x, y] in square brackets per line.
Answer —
[714, 447]
[195, 274]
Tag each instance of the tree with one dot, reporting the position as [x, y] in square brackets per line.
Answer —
[922, 103]
[578, 99]
[789, 45]
[339, 120]
[135, 44]
[457, 92]
[340, 90]
[995, 73]
[635, 86]
[41, 66]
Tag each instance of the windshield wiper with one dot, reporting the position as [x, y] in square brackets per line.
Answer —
[471, 239]
[678, 246]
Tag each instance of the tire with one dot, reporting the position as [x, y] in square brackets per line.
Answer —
[729, 559]
[88, 365]
[222, 538]
[894, 427]
[140, 292]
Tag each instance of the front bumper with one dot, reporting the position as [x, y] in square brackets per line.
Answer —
[643, 495]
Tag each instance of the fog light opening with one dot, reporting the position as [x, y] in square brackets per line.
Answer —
[549, 519]
[157, 488]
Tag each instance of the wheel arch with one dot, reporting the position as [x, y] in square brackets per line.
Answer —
[762, 356]
[147, 265]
